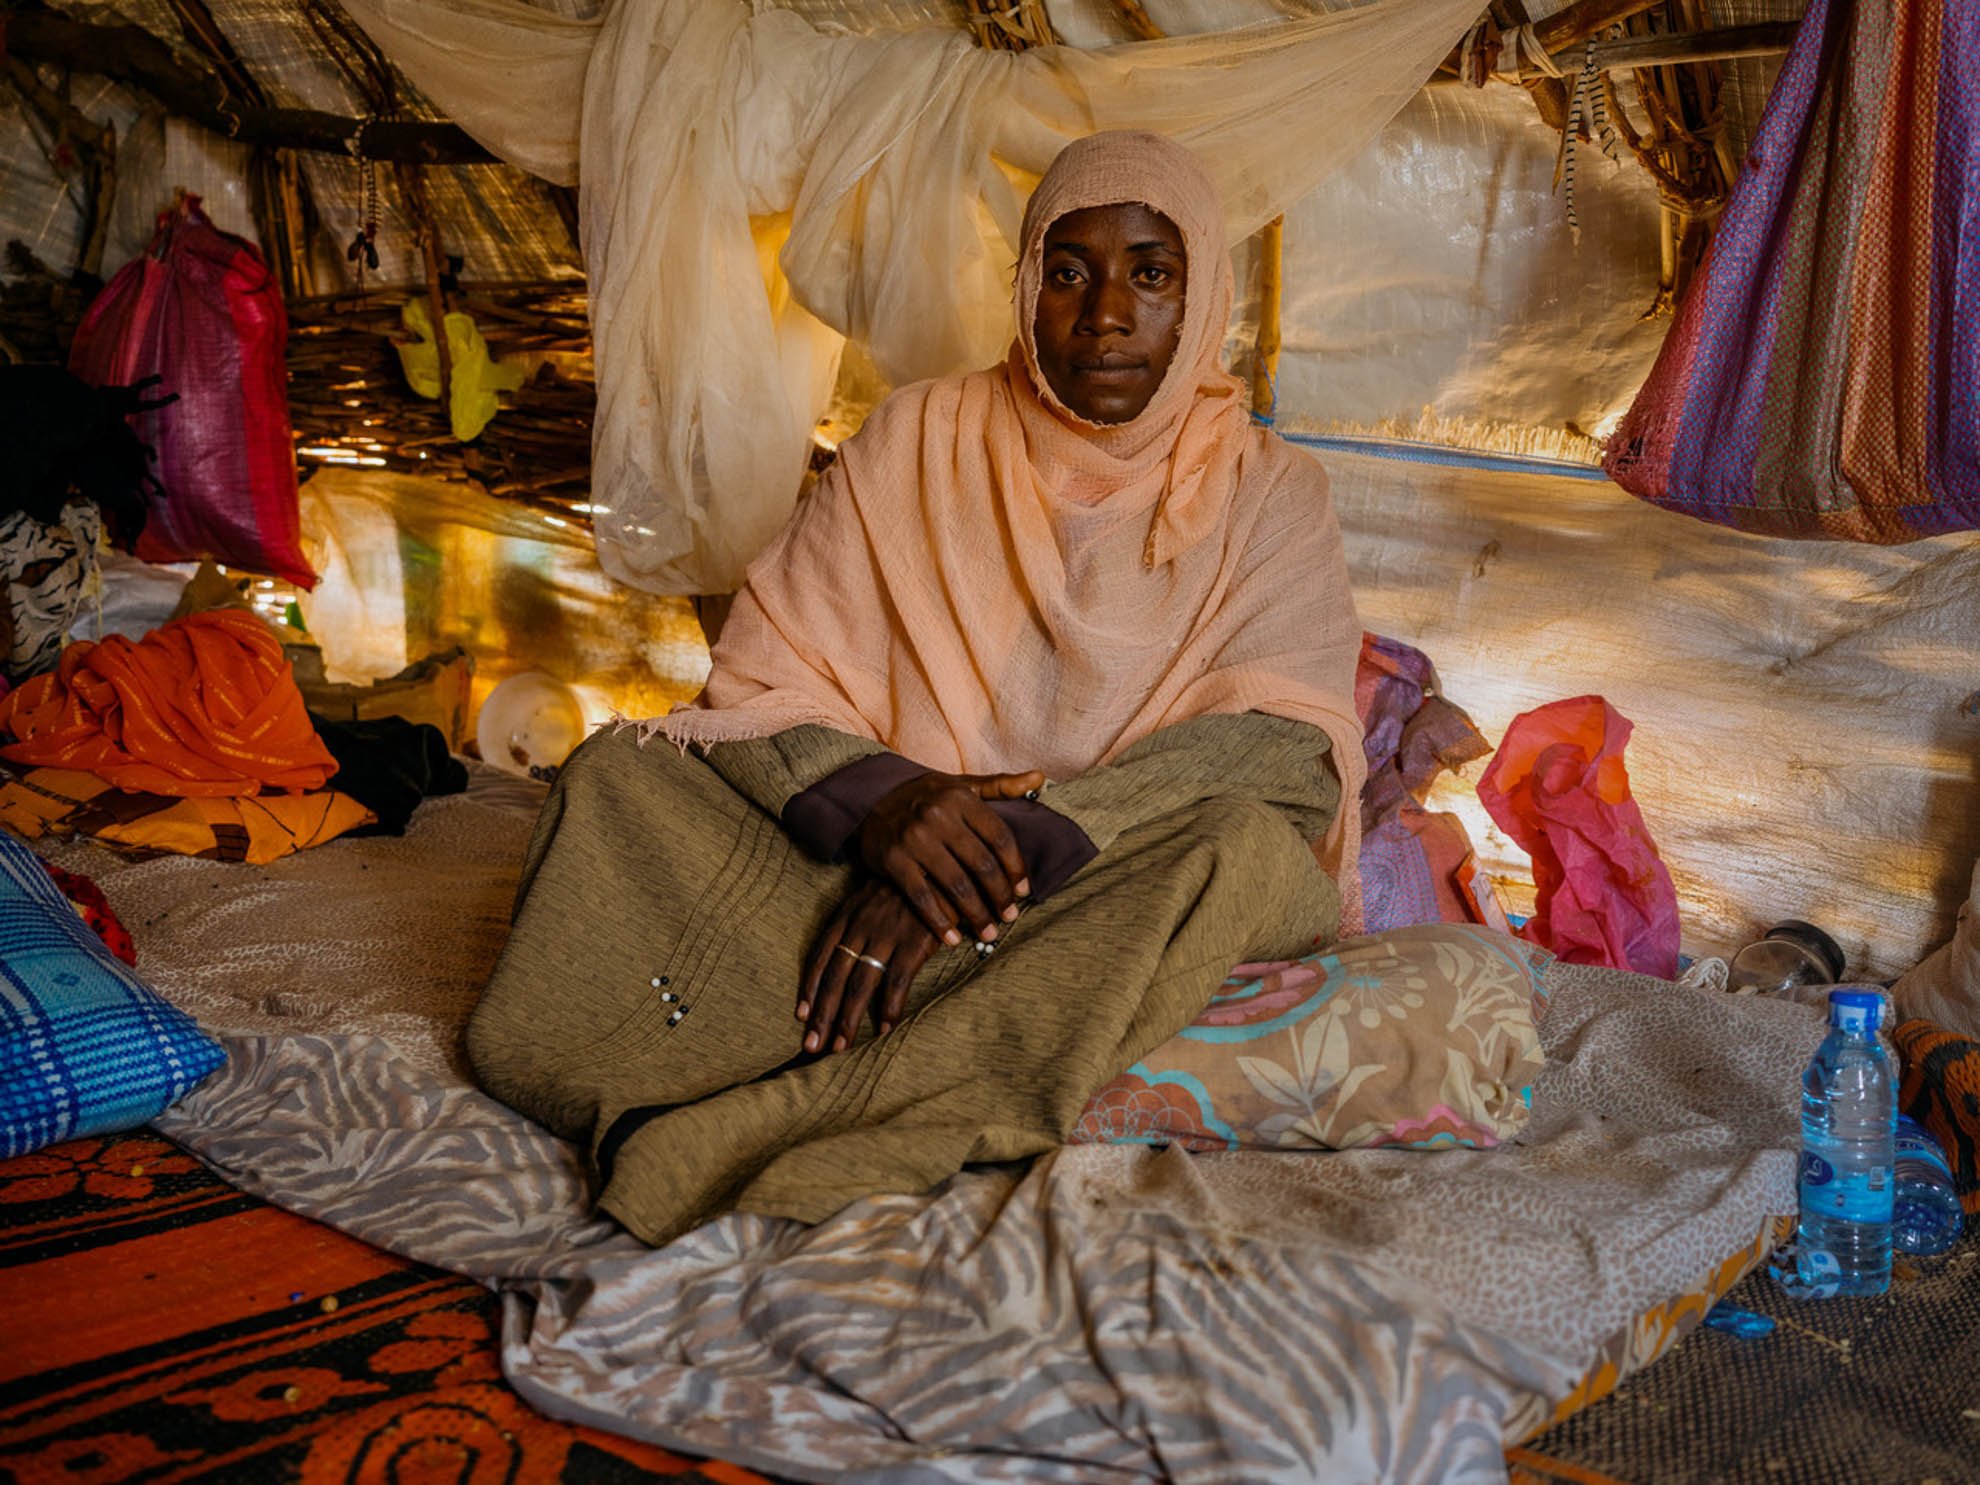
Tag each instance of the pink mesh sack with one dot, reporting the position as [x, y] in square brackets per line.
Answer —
[201, 311]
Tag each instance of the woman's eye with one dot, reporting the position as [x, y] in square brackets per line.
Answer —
[1065, 276]
[1153, 277]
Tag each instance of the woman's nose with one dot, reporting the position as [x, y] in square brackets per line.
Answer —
[1109, 309]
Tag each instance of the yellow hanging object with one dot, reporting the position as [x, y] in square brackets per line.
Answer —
[477, 377]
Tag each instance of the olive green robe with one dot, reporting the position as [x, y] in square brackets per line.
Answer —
[644, 1004]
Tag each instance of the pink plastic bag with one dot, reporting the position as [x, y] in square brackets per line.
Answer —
[201, 311]
[1558, 787]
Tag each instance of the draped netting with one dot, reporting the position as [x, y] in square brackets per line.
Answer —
[755, 191]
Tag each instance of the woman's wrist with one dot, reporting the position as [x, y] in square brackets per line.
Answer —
[826, 819]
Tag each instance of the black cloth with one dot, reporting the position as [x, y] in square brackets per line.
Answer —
[389, 765]
[65, 438]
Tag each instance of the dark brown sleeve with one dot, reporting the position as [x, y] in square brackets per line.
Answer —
[1052, 846]
[824, 818]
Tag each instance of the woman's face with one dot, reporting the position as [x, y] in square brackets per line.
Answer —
[1110, 308]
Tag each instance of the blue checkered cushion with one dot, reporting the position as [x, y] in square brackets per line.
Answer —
[86, 1047]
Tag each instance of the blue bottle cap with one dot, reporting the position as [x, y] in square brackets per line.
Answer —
[1851, 1006]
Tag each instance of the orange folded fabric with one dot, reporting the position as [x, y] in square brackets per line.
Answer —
[63, 802]
[205, 706]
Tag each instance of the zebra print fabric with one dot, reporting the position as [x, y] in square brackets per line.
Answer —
[1111, 1312]
[46, 571]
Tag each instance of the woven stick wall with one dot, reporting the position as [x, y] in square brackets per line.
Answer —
[350, 405]
[1683, 147]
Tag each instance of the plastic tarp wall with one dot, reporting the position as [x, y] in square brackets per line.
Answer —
[1432, 289]
[1807, 718]
[36, 208]
[749, 180]
[499, 219]
[1807, 715]
[416, 565]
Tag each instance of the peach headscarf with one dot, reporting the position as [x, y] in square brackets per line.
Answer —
[985, 582]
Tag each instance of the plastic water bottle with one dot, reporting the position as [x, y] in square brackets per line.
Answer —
[1927, 1217]
[1848, 1153]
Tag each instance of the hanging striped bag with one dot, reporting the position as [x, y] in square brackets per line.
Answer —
[1822, 378]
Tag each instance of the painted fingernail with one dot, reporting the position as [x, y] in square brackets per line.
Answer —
[1024, 888]
[1010, 913]
[838, 1044]
[811, 1041]
[885, 1027]
[989, 935]
[952, 938]
[804, 1009]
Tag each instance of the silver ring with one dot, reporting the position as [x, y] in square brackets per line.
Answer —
[867, 959]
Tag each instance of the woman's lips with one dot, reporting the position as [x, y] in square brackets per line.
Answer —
[1102, 371]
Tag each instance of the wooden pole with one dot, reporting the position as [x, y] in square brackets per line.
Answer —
[1265, 369]
[133, 56]
[412, 185]
[1716, 45]
[103, 191]
[1564, 28]
[1139, 21]
[1571, 27]
[94, 146]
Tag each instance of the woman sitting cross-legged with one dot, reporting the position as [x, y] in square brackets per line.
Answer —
[1017, 739]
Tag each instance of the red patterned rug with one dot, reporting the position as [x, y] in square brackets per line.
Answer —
[159, 1325]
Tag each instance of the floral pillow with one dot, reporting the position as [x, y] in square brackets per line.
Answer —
[1420, 1037]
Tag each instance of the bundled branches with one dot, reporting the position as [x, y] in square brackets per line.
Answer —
[1567, 27]
[350, 405]
[1682, 147]
[1009, 25]
[1676, 132]
[39, 308]
[348, 399]
[365, 66]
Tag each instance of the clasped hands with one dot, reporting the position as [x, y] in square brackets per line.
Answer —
[941, 863]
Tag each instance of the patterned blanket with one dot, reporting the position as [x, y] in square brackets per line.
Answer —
[1107, 1312]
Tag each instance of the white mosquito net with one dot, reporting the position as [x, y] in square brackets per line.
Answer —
[757, 188]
